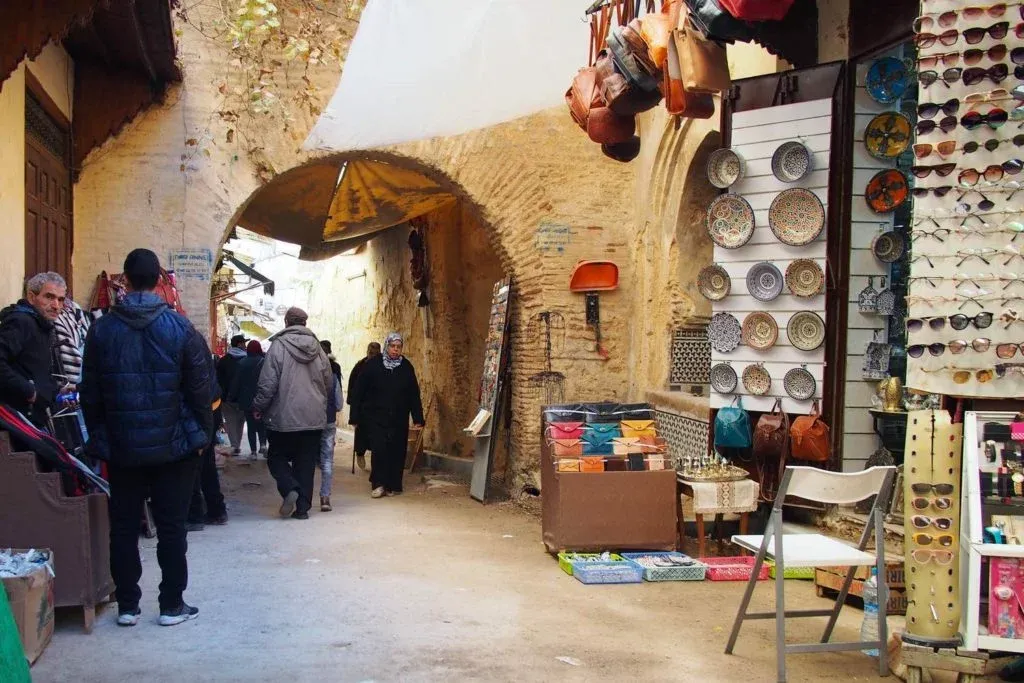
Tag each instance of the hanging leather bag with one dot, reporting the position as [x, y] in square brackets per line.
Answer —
[810, 437]
[604, 126]
[702, 62]
[583, 96]
[732, 426]
[629, 51]
[771, 435]
[757, 10]
[656, 32]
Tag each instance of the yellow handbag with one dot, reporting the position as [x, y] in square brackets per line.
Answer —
[625, 445]
[567, 448]
[568, 464]
[639, 428]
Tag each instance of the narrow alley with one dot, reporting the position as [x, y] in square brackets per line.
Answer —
[430, 586]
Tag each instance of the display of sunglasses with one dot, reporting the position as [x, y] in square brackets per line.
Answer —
[928, 110]
[947, 124]
[997, 31]
[957, 321]
[922, 538]
[996, 53]
[940, 523]
[941, 170]
[1009, 350]
[993, 95]
[947, 38]
[992, 144]
[940, 191]
[975, 119]
[923, 556]
[924, 487]
[996, 73]
[970, 177]
[940, 503]
[926, 78]
[981, 345]
[942, 149]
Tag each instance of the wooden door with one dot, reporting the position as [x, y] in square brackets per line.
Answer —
[48, 203]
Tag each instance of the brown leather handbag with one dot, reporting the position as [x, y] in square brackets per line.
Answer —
[771, 434]
[604, 126]
[810, 437]
[583, 96]
[702, 62]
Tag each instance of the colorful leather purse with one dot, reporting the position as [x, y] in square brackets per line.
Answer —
[654, 444]
[568, 465]
[591, 464]
[810, 437]
[598, 438]
[626, 445]
[565, 430]
[639, 428]
[567, 448]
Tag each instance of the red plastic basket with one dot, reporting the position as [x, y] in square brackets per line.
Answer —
[733, 568]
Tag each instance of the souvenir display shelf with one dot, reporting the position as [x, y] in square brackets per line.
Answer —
[977, 510]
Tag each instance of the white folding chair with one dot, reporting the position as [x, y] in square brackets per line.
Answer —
[816, 550]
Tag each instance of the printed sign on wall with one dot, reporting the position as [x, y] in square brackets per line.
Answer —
[192, 264]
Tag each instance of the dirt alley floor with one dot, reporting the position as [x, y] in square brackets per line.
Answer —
[429, 586]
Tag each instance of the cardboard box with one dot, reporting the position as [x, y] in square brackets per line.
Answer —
[31, 599]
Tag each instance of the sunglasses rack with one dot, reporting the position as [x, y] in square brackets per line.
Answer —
[932, 528]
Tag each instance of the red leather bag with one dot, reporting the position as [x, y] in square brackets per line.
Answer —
[810, 436]
[757, 10]
[583, 96]
[771, 434]
[604, 126]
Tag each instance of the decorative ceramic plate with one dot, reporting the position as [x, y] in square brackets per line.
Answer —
[796, 216]
[804, 278]
[725, 167]
[799, 384]
[792, 162]
[886, 191]
[756, 380]
[760, 331]
[713, 282]
[730, 221]
[764, 281]
[806, 330]
[867, 300]
[888, 247]
[723, 378]
[887, 135]
[724, 332]
[886, 80]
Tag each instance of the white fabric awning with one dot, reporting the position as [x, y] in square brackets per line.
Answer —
[424, 68]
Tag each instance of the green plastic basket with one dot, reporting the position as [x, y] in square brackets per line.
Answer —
[803, 573]
[565, 560]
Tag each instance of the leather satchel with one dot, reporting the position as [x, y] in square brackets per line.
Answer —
[678, 100]
[656, 32]
[810, 437]
[583, 96]
[604, 126]
[702, 62]
[771, 434]
[629, 51]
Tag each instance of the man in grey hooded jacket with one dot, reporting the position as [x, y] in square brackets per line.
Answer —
[292, 399]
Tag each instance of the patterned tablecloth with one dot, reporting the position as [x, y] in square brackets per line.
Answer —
[724, 497]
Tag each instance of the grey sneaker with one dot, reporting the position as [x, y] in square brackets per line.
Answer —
[377, 492]
[129, 617]
[178, 615]
[288, 504]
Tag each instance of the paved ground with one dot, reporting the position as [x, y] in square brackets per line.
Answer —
[430, 586]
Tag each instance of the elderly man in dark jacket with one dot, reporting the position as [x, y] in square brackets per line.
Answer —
[147, 397]
[27, 383]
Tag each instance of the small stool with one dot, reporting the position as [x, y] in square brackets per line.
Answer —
[965, 663]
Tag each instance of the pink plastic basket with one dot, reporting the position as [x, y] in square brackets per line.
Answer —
[733, 568]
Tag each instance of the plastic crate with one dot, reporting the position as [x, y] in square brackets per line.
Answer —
[694, 572]
[623, 571]
[565, 560]
[802, 573]
[733, 568]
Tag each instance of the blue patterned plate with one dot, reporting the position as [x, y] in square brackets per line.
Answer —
[886, 80]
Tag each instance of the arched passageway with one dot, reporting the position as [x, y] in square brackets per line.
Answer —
[353, 216]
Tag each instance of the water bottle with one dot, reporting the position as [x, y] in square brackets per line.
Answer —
[869, 627]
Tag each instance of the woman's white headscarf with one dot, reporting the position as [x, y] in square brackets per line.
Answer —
[390, 363]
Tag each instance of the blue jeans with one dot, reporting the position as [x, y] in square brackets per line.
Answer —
[327, 458]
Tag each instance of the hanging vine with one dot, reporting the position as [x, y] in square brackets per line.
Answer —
[273, 49]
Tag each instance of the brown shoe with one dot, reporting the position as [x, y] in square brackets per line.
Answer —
[325, 504]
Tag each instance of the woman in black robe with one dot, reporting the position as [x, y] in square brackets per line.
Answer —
[385, 396]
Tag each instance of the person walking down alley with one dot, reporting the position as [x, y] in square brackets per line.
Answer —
[207, 506]
[386, 395]
[359, 442]
[292, 399]
[147, 394]
[27, 339]
[227, 370]
[243, 391]
[327, 440]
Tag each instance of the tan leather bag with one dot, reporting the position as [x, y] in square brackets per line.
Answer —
[810, 436]
[702, 62]
[771, 435]
[657, 32]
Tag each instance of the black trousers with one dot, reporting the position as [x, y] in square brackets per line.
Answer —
[387, 461]
[207, 500]
[292, 459]
[362, 442]
[169, 488]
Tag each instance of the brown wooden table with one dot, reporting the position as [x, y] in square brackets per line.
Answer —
[683, 487]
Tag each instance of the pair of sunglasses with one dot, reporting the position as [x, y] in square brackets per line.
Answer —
[997, 73]
[923, 503]
[950, 17]
[957, 322]
[996, 53]
[928, 110]
[948, 147]
[969, 177]
[947, 124]
[955, 347]
[1016, 93]
[941, 170]
[994, 119]
[923, 556]
[972, 36]
[922, 538]
[940, 191]
[1007, 351]
[940, 523]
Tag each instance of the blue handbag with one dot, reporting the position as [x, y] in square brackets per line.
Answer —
[732, 426]
[599, 438]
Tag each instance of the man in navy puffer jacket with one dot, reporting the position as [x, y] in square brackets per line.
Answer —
[146, 393]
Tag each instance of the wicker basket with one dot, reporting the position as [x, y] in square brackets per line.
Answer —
[733, 568]
[623, 571]
[694, 572]
[803, 573]
[565, 560]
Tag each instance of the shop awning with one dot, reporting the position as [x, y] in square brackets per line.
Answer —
[328, 207]
[268, 284]
[254, 329]
[418, 70]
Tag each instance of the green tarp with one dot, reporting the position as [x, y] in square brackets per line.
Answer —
[13, 666]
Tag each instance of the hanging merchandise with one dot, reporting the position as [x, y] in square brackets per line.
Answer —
[806, 330]
[810, 437]
[724, 168]
[730, 221]
[876, 358]
[771, 435]
[732, 426]
[792, 162]
[760, 331]
[886, 301]
[796, 217]
[799, 383]
[886, 80]
[867, 300]
[888, 247]
[756, 380]
[764, 281]
[723, 378]
[713, 282]
[757, 10]
[702, 62]
[724, 332]
[886, 191]
[805, 278]
[887, 135]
